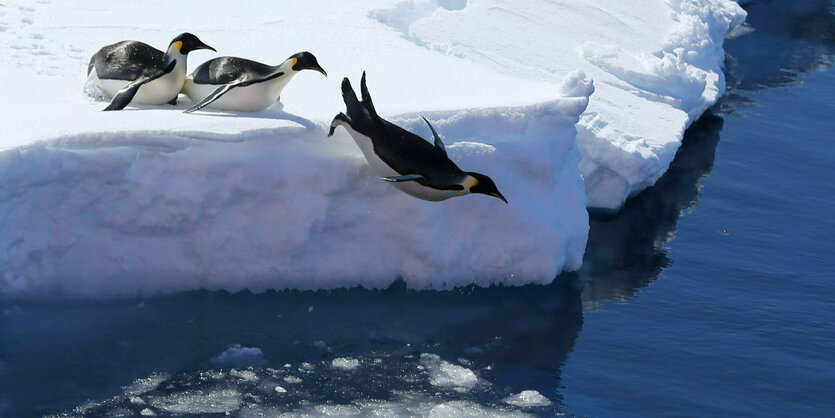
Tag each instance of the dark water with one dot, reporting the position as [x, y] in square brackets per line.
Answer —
[711, 293]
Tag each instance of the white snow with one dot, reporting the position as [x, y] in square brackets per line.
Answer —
[151, 200]
[528, 398]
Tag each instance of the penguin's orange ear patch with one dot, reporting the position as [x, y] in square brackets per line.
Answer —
[293, 62]
[178, 45]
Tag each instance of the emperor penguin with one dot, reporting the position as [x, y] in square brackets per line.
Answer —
[239, 84]
[135, 72]
[411, 163]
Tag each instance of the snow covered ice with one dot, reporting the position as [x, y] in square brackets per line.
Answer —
[585, 106]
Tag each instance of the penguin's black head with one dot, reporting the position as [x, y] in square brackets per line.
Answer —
[189, 42]
[485, 185]
[306, 61]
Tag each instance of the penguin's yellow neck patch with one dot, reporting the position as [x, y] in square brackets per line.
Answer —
[473, 182]
[178, 45]
[293, 62]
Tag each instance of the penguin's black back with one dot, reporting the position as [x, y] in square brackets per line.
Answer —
[224, 70]
[126, 60]
[400, 149]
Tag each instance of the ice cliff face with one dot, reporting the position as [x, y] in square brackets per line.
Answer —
[556, 101]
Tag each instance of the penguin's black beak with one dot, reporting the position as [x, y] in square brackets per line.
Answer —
[319, 69]
[499, 195]
[201, 45]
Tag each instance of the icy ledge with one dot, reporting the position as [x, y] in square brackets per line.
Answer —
[147, 212]
[657, 66]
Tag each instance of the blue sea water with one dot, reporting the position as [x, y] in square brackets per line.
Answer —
[710, 293]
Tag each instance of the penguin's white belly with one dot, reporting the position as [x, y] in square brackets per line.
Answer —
[384, 170]
[252, 98]
[159, 91]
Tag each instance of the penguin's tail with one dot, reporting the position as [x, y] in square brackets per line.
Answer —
[353, 107]
[366, 98]
[359, 115]
[356, 109]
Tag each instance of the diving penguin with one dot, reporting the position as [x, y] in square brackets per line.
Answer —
[135, 72]
[409, 162]
[243, 85]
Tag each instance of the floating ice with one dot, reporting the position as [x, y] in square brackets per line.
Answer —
[236, 355]
[404, 394]
[140, 386]
[345, 363]
[445, 374]
[528, 398]
[199, 401]
[292, 379]
[244, 375]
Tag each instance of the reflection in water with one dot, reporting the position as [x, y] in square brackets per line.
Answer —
[627, 251]
[513, 339]
[788, 38]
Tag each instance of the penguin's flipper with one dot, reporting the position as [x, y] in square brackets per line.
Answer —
[220, 91]
[438, 143]
[125, 95]
[250, 81]
[366, 98]
[398, 179]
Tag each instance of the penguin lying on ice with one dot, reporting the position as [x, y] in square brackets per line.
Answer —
[409, 162]
[239, 84]
[135, 72]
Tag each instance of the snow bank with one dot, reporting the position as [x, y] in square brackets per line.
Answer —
[152, 200]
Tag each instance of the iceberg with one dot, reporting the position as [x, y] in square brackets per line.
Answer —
[566, 105]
